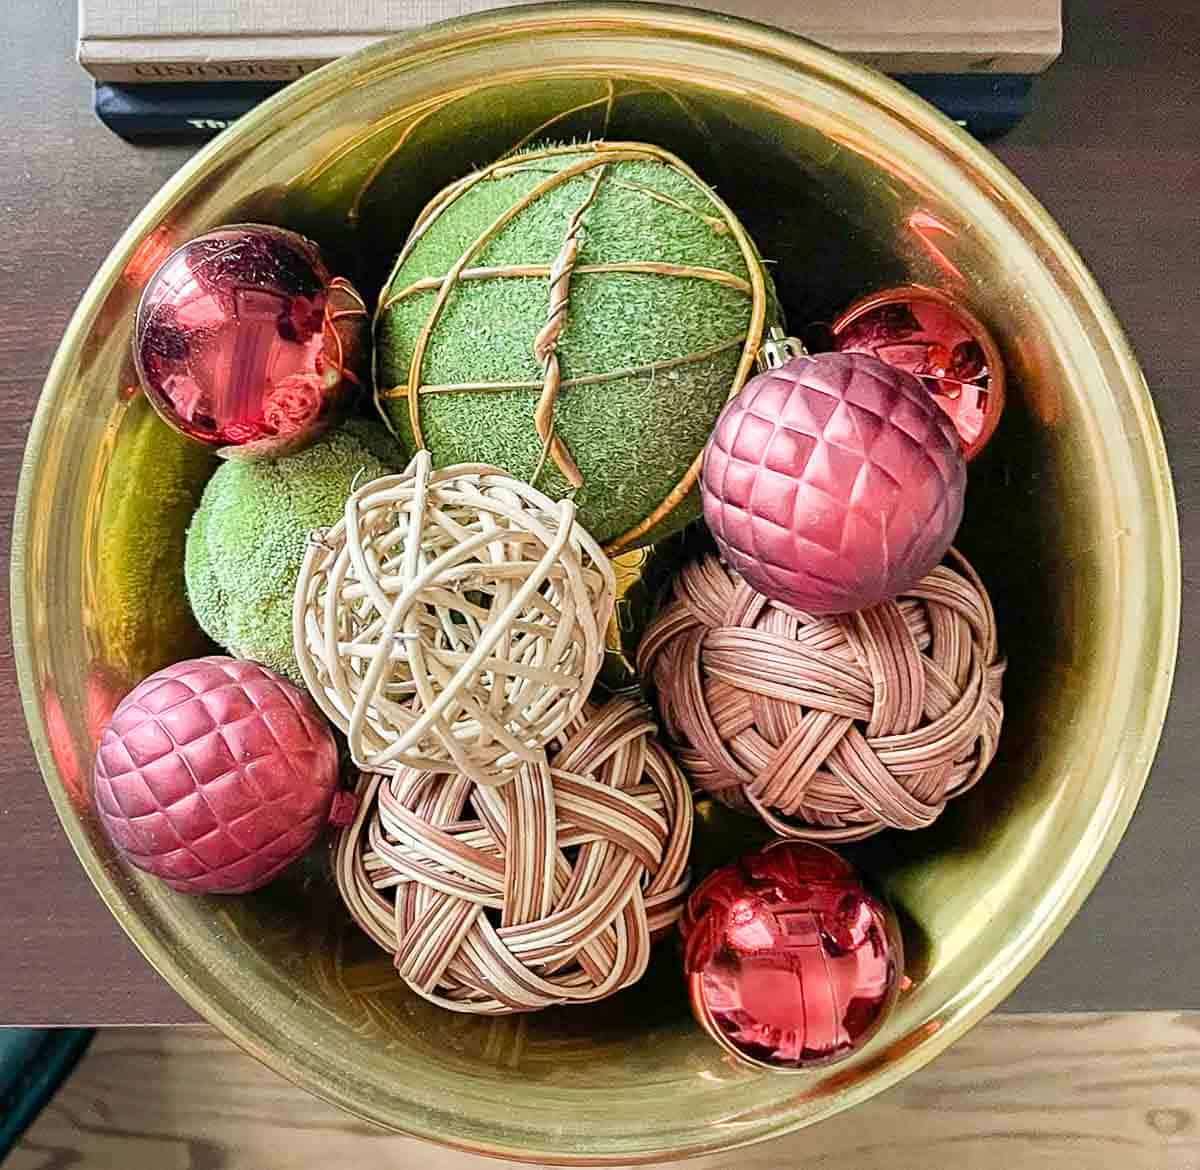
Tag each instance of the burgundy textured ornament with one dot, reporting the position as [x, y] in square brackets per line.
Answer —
[245, 343]
[933, 337]
[833, 482]
[215, 774]
[790, 961]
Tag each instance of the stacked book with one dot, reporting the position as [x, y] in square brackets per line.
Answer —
[181, 69]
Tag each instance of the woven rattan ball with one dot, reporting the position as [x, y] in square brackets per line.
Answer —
[544, 891]
[452, 621]
[830, 728]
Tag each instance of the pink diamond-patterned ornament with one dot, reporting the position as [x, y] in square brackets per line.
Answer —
[833, 482]
[215, 774]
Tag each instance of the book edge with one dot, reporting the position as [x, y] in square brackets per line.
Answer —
[217, 59]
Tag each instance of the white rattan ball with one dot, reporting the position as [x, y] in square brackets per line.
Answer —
[452, 621]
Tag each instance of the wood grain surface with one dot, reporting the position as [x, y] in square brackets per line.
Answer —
[1043, 1092]
[1113, 150]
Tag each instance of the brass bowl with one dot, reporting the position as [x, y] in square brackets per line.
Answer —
[849, 183]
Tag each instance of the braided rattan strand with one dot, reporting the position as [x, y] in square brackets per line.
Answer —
[830, 728]
[550, 889]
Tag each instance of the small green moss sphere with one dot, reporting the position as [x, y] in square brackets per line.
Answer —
[248, 536]
[661, 313]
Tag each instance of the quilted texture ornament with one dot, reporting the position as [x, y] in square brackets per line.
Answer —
[547, 890]
[833, 482]
[215, 774]
[835, 727]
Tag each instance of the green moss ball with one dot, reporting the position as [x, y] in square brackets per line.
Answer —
[632, 435]
[248, 536]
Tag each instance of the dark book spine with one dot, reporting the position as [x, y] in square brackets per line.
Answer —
[988, 105]
[177, 112]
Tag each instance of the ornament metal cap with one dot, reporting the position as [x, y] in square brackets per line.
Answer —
[777, 349]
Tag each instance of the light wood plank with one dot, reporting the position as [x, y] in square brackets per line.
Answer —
[1051, 1092]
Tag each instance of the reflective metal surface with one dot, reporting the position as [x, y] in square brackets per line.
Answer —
[791, 962]
[238, 341]
[927, 333]
[849, 184]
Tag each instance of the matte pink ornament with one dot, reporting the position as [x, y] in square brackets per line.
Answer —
[791, 963]
[833, 482]
[215, 774]
[245, 343]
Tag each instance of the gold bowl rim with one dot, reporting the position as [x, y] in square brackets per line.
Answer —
[1158, 640]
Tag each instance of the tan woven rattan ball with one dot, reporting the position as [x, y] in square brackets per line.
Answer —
[452, 621]
[830, 728]
[543, 891]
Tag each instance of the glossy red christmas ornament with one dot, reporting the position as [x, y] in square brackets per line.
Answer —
[790, 961]
[933, 337]
[832, 482]
[245, 343]
[215, 774]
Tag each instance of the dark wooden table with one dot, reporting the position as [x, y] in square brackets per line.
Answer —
[1113, 150]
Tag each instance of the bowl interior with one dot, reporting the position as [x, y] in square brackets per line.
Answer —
[847, 185]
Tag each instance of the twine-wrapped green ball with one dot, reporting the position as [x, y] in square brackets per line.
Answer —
[576, 315]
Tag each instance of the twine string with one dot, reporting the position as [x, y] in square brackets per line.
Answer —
[343, 291]
[520, 271]
[545, 344]
[651, 368]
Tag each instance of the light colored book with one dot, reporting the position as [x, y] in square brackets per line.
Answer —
[264, 40]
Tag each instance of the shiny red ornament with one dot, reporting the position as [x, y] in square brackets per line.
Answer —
[791, 963]
[833, 482]
[245, 343]
[933, 337]
[215, 774]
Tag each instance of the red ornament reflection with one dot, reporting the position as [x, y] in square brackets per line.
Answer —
[926, 227]
[791, 962]
[62, 744]
[930, 335]
[147, 256]
[245, 343]
[105, 688]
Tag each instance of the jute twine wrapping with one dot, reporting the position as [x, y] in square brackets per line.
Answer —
[452, 621]
[830, 728]
[597, 158]
[547, 890]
